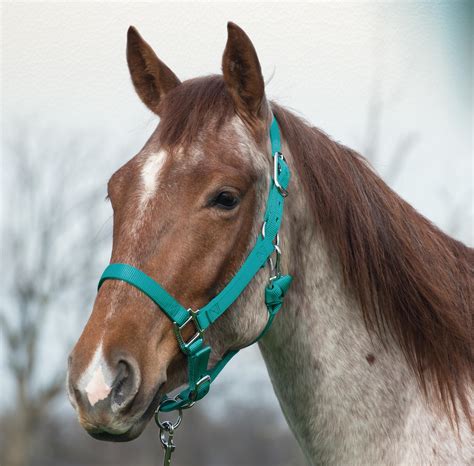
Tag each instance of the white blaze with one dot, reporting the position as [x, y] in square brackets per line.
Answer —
[96, 381]
[97, 389]
[150, 172]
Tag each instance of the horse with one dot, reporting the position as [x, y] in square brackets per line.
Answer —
[371, 356]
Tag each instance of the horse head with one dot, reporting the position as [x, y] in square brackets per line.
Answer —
[186, 211]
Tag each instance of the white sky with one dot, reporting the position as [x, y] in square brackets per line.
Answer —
[63, 65]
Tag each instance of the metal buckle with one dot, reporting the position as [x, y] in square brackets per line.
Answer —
[275, 269]
[206, 378]
[281, 189]
[178, 329]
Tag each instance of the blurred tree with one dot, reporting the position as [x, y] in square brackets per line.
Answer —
[50, 249]
[242, 435]
[373, 141]
[458, 206]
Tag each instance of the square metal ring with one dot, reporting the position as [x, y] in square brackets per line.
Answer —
[178, 329]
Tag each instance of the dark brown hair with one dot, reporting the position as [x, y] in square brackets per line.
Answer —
[192, 106]
[413, 281]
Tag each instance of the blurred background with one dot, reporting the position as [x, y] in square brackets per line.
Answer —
[391, 80]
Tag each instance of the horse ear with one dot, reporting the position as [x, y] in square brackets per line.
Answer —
[150, 76]
[242, 72]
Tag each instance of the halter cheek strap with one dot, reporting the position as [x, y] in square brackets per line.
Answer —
[267, 244]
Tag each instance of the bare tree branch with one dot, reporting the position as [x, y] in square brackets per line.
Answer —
[52, 209]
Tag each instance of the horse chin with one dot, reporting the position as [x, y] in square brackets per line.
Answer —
[120, 432]
[127, 436]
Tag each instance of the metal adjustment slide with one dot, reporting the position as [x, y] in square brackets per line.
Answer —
[179, 328]
[276, 172]
[194, 393]
[275, 268]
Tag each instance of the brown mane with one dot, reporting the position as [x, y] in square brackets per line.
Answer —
[413, 281]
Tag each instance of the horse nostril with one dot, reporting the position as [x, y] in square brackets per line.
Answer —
[126, 384]
[120, 385]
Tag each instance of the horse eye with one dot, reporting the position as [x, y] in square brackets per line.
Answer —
[226, 200]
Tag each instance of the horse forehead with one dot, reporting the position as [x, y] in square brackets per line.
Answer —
[246, 147]
[233, 142]
[232, 145]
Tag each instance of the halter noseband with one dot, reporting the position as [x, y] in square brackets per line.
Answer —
[199, 376]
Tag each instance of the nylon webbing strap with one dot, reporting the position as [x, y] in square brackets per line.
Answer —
[262, 249]
[275, 138]
[217, 306]
[147, 285]
[199, 376]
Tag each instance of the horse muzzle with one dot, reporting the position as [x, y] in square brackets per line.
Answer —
[106, 399]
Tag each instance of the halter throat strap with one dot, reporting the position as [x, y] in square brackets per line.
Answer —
[267, 244]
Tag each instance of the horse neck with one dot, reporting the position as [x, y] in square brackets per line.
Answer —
[348, 398]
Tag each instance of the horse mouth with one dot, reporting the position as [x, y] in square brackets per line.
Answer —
[105, 436]
[134, 431]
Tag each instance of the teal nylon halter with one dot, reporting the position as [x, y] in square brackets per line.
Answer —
[199, 376]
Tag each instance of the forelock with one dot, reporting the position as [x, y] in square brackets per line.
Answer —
[192, 108]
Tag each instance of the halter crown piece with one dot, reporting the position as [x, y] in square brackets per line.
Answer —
[197, 353]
